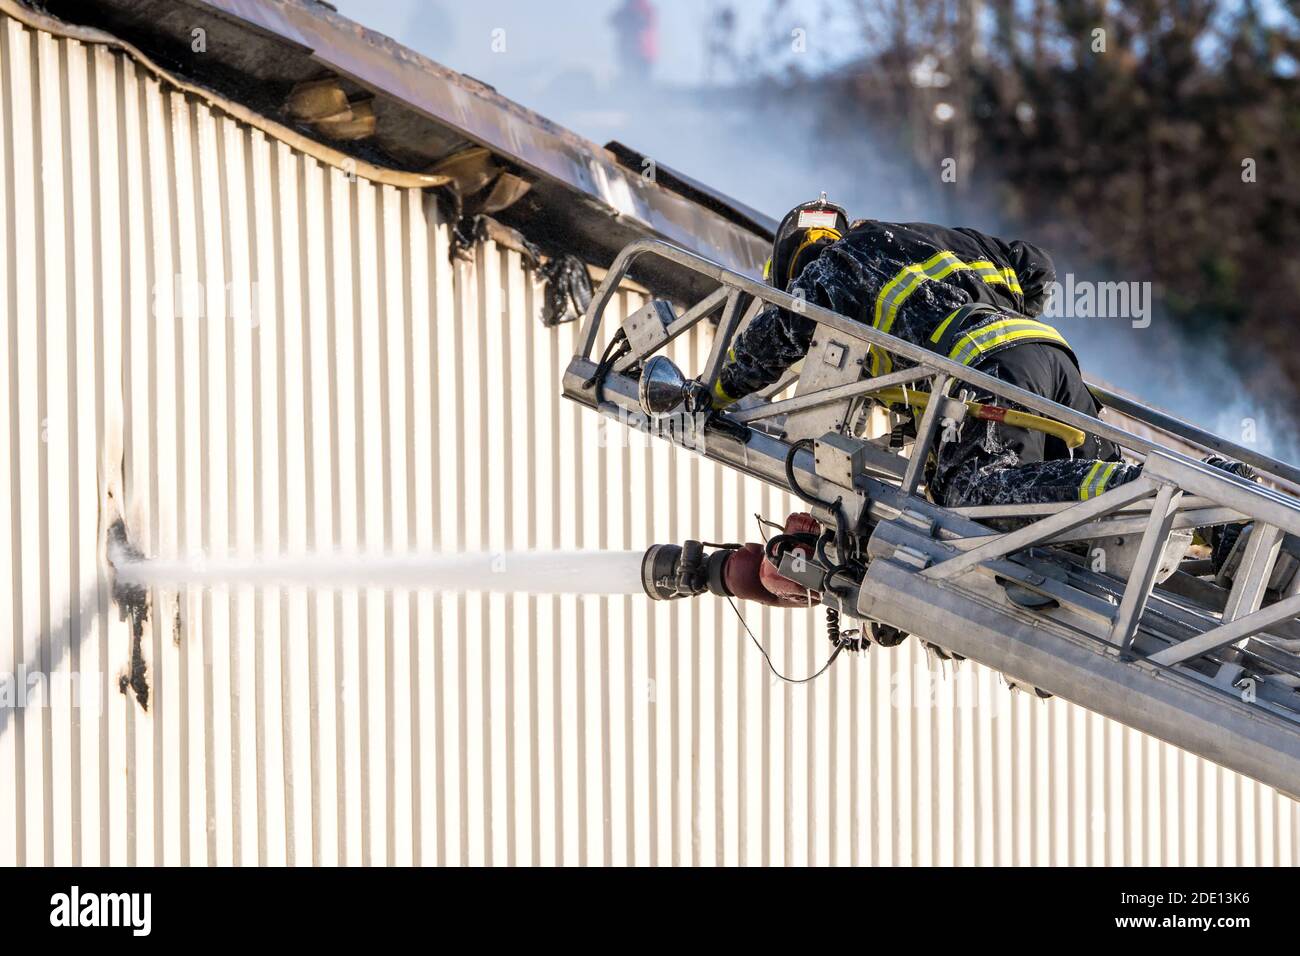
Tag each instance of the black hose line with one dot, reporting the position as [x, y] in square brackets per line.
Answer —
[835, 507]
[790, 479]
[780, 544]
[618, 347]
[822, 556]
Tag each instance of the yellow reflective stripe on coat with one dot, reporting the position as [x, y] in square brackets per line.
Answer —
[943, 326]
[939, 266]
[897, 290]
[996, 335]
[1095, 482]
[1005, 339]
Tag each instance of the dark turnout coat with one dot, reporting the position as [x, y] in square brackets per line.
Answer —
[905, 279]
[919, 282]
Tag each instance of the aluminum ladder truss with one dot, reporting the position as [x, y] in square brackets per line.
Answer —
[1209, 665]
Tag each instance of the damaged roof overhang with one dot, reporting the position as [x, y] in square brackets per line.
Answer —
[581, 198]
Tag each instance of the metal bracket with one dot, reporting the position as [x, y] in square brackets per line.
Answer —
[830, 363]
[647, 328]
[837, 458]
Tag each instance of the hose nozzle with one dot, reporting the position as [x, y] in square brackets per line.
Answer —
[670, 571]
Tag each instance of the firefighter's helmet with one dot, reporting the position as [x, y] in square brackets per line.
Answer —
[803, 233]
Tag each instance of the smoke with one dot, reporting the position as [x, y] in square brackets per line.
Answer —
[1199, 378]
[758, 151]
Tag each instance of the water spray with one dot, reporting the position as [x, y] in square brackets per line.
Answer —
[517, 572]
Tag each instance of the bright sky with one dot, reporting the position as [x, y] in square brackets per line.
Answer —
[541, 38]
[544, 39]
[561, 59]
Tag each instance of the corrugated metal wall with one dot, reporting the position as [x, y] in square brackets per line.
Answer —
[336, 384]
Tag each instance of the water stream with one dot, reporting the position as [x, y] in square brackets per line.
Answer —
[519, 572]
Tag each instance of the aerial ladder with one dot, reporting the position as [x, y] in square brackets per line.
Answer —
[1207, 661]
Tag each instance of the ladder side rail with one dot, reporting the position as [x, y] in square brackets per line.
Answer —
[1131, 524]
[887, 503]
[845, 326]
[1196, 436]
[1165, 624]
[1131, 519]
[1256, 502]
[1039, 532]
[1230, 633]
[978, 512]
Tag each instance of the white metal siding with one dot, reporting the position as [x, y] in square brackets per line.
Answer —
[384, 400]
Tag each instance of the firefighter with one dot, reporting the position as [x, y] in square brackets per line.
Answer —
[962, 293]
